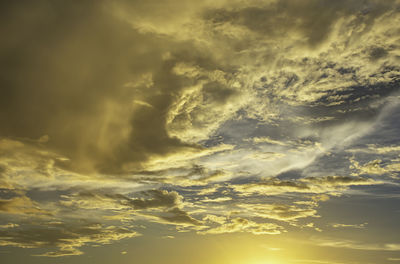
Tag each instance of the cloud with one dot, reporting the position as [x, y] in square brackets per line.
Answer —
[217, 200]
[21, 205]
[178, 216]
[9, 225]
[349, 225]
[182, 81]
[158, 198]
[244, 225]
[150, 199]
[293, 19]
[180, 94]
[210, 116]
[215, 219]
[356, 245]
[68, 238]
[267, 140]
[158, 206]
[185, 89]
[198, 175]
[281, 212]
[374, 167]
[316, 185]
[373, 148]
[81, 106]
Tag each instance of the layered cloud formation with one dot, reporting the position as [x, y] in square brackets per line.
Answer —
[210, 117]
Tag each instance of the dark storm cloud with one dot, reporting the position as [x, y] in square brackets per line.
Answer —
[63, 71]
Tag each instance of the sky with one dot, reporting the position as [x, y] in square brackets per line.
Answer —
[200, 132]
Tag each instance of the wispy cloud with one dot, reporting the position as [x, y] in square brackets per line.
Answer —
[356, 245]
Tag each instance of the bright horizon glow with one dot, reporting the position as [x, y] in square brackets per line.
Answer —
[264, 262]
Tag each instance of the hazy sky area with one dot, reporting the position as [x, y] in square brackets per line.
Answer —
[200, 132]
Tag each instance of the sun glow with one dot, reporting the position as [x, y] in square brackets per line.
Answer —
[265, 261]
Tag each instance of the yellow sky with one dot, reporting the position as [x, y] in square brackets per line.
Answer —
[181, 131]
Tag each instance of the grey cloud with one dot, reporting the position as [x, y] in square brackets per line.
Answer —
[146, 199]
[378, 53]
[167, 204]
[178, 216]
[311, 185]
[67, 238]
[157, 198]
[22, 205]
[289, 213]
[280, 212]
[239, 224]
[66, 73]
[196, 175]
[283, 183]
[64, 77]
[339, 180]
[313, 19]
